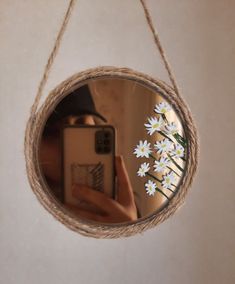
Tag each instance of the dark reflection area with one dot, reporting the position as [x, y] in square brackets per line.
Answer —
[113, 151]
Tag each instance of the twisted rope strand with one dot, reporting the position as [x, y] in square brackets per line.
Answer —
[52, 56]
[160, 48]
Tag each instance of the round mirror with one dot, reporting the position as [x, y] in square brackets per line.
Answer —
[113, 150]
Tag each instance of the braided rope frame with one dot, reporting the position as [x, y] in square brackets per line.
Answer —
[33, 133]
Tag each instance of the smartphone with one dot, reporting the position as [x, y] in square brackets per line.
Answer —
[88, 158]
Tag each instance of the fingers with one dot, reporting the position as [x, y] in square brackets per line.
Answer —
[109, 210]
[99, 199]
[125, 192]
[115, 211]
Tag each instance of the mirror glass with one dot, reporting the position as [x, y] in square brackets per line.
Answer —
[113, 151]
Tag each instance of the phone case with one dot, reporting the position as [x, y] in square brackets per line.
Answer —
[88, 158]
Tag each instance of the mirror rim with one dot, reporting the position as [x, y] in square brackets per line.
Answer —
[34, 130]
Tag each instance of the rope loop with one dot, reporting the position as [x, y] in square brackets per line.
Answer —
[59, 38]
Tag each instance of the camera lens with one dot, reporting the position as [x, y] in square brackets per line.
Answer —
[98, 149]
[107, 134]
[106, 149]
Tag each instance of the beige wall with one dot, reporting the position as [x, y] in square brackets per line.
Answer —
[197, 244]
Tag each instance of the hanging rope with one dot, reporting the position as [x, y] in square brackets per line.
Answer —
[59, 39]
[160, 47]
[52, 56]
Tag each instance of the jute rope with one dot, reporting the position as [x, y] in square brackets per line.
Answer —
[52, 56]
[38, 118]
[160, 47]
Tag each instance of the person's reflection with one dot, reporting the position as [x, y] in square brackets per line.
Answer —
[78, 108]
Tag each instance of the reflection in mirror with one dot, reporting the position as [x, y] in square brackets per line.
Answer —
[113, 151]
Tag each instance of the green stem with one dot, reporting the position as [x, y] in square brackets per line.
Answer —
[168, 167]
[164, 117]
[163, 134]
[174, 162]
[152, 176]
[152, 157]
[181, 137]
[180, 140]
[171, 190]
[173, 171]
[159, 190]
[182, 158]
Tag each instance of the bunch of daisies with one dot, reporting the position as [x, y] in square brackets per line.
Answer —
[165, 152]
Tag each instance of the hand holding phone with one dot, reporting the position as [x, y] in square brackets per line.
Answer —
[88, 159]
[122, 209]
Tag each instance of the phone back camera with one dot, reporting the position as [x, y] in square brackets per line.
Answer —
[103, 142]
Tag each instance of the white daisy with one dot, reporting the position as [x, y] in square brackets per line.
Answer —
[178, 151]
[155, 124]
[168, 180]
[144, 168]
[163, 146]
[143, 149]
[171, 128]
[150, 187]
[162, 108]
[162, 164]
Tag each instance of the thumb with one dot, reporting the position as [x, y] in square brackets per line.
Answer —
[125, 193]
